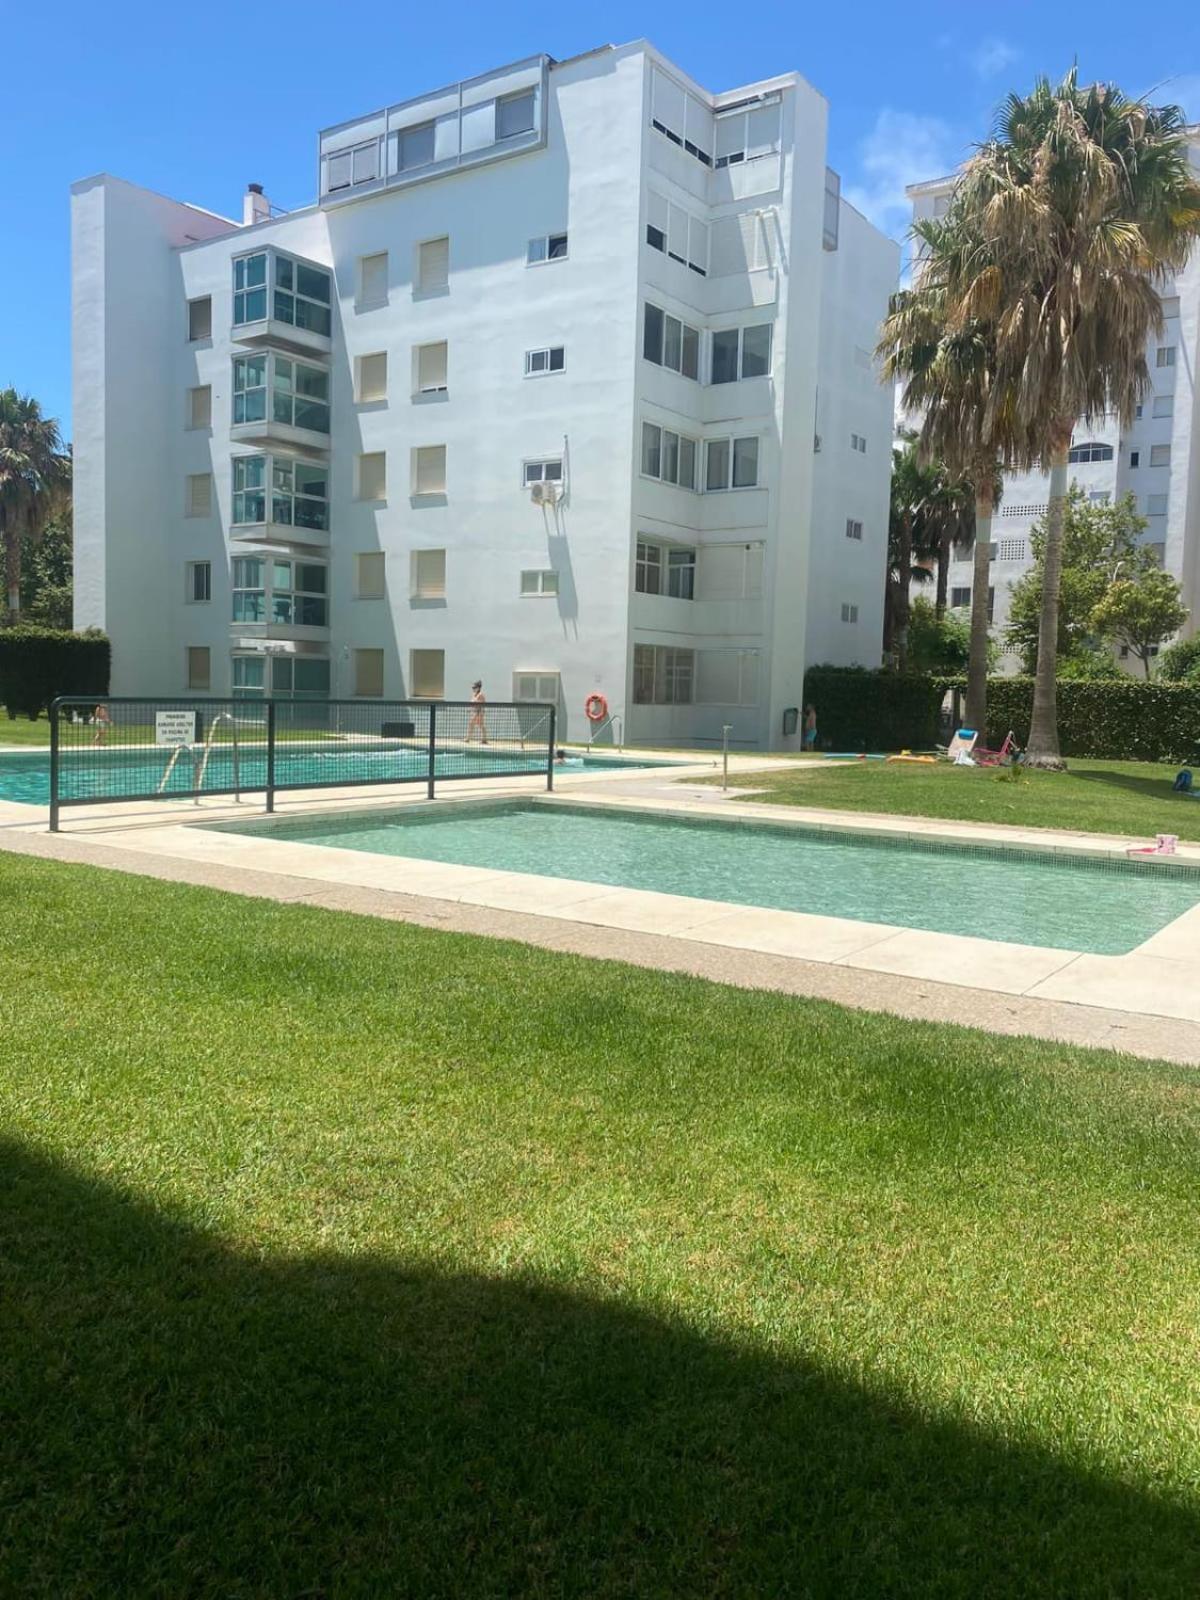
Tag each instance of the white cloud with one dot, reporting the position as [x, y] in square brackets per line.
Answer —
[991, 56]
[902, 148]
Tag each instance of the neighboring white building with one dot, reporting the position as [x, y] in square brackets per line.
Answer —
[1157, 459]
[531, 395]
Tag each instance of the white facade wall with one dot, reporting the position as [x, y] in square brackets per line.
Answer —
[595, 168]
[1167, 494]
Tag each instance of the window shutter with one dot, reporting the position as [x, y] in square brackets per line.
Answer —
[369, 573]
[697, 252]
[657, 212]
[668, 103]
[372, 376]
[699, 127]
[429, 469]
[435, 264]
[762, 131]
[677, 233]
[373, 279]
[431, 368]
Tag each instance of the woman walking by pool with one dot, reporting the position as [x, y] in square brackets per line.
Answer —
[810, 727]
[476, 723]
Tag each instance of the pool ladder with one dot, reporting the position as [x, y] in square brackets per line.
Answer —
[617, 728]
[199, 771]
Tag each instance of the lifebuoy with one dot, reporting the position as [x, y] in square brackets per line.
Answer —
[595, 708]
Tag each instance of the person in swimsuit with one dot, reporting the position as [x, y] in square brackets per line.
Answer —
[476, 723]
[810, 727]
[101, 722]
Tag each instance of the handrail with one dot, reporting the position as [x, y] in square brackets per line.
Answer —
[608, 723]
[221, 716]
[529, 732]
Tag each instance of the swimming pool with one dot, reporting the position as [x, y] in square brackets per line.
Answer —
[1095, 905]
[137, 773]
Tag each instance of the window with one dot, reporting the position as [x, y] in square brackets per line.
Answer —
[249, 677]
[741, 353]
[200, 318]
[427, 674]
[345, 168]
[415, 147]
[369, 575]
[1170, 306]
[542, 582]
[1156, 505]
[681, 574]
[199, 494]
[741, 135]
[1160, 455]
[537, 362]
[1090, 452]
[960, 598]
[859, 443]
[727, 677]
[668, 342]
[1010, 549]
[731, 463]
[543, 687]
[1164, 405]
[854, 529]
[199, 667]
[199, 412]
[373, 280]
[668, 456]
[676, 233]
[298, 594]
[300, 676]
[371, 476]
[299, 492]
[681, 118]
[431, 368]
[514, 114]
[1099, 497]
[1135, 458]
[249, 589]
[429, 469]
[370, 377]
[662, 675]
[428, 574]
[1137, 412]
[199, 582]
[1165, 356]
[299, 392]
[433, 265]
[849, 613]
[368, 674]
[549, 247]
[647, 578]
[301, 295]
[550, 471]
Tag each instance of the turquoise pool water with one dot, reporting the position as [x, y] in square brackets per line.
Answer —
[1098, 906]
[136, 774]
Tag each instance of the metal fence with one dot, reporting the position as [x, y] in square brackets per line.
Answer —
[112, 750]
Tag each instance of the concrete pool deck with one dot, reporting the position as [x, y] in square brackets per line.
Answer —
[1147, 1002]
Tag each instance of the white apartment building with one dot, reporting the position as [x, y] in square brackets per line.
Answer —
[563, 383]
[1157, 459]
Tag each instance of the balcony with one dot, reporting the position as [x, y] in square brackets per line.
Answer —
[279, 598]
[282, 301]
[279, 400]
[280, 500]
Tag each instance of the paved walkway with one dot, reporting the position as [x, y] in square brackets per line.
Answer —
[1147, 1003]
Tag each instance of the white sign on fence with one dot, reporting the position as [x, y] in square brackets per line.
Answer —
[174, 727]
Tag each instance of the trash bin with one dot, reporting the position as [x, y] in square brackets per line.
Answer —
[791, 718]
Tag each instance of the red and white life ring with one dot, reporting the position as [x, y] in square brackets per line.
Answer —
[595, 708]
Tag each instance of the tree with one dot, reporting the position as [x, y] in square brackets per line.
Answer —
[913, 486]
[1180, 662]
[1075, 211]
[1140, 612]
[1099, 545]
[46, 576]
[35, 474]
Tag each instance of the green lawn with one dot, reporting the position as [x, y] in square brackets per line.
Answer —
[344, 1258]
[20, 731]
[1126, 797]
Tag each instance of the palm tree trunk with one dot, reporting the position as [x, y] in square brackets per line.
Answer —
[943, 572]
[903, 600]
[12, 570]
[889, 607]
[980, 583]
[1043, 748]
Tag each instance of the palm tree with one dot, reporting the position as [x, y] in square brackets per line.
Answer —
[948, 372]
[1072, 216]
[914, 484]
[34, 477]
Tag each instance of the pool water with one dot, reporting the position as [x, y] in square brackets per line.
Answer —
[134, 774]
[1099, 906]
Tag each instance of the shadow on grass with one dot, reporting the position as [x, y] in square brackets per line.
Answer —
[176, 1419]
[1155, 788]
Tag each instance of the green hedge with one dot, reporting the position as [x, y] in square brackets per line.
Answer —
[1116, 721]
[859, 709]
[36, 664]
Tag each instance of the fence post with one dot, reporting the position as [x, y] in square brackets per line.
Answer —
[726, 730]
[270, 755]
[54, 766]
[550, 752]
[432, 748]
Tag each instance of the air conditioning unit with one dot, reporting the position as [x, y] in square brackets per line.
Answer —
[544, 493]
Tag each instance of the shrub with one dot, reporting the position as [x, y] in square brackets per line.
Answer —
[1180, 662]
[1127, 720]
[861, 709]
[36, 664]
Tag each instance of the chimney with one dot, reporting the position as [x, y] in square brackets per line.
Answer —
[255, 205]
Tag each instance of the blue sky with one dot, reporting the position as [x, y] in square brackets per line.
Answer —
[196, 101]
